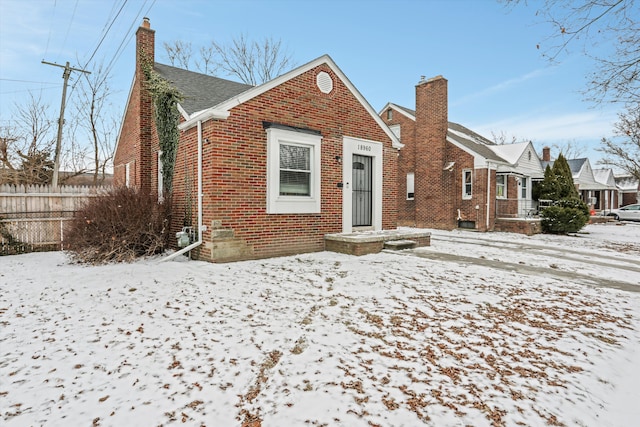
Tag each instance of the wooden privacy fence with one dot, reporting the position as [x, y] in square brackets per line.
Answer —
[32, 217]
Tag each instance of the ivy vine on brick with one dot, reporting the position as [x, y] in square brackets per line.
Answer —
[165, 101]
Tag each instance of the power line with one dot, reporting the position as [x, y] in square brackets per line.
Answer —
[106, 32]
[128, 36]
[73, 15]
[28, 81]
[53, 15]
[57, 85]
[65, 75]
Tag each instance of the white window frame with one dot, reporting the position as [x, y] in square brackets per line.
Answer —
[160, 179]
[127, 175]
[396, 130]
[467, 194]
[503, 185]
[277, 204]
[411, 186]
[524, 188]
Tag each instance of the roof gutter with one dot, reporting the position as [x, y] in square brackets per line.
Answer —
[200, 195]
[203, 117]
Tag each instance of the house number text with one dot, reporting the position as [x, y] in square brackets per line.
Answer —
[364, 147]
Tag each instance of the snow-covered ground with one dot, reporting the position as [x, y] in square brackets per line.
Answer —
[325, 339]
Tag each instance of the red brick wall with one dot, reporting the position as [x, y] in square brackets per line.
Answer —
[438, 192]
[434, 198]
[234, 162]
[138, 133]
[628, 199]
[235, 166]
[406, 164]
[479, 199]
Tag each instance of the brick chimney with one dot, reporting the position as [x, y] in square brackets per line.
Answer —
[145, 52]
[546, 154]
[145, 42]
[433, 185]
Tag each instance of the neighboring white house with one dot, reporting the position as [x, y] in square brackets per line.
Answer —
[607, 199]
[525, 166]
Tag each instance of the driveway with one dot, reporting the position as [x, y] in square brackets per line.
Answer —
[536, 258]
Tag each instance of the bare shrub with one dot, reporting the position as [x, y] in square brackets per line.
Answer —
[119, 226]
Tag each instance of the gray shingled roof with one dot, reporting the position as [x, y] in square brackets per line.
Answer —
[465, 137]
[408, 110]
[200, 91]
[473, 141]
[576, 165]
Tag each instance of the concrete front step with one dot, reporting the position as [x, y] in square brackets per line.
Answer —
[370, 242]
[397, 245]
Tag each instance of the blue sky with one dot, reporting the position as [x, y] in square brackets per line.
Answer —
[498, 81]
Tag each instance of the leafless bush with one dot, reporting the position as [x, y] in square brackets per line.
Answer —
[119, 226]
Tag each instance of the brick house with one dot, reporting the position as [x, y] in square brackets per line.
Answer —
[450, 176]
[628, 190]
[276, 166]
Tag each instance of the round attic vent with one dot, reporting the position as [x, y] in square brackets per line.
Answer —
[324, 82]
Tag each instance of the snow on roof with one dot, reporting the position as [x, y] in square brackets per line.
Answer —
[510, 152]
[627, 183]
[605, 176]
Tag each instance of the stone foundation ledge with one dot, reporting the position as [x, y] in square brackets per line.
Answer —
[369, 242]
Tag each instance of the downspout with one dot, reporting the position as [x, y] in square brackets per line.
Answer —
[200, 195]
[488, 194]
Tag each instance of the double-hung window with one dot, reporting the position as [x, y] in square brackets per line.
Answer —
[501, 186]
[467, 184]
[127, 174]
[293, 171]
[160, 178]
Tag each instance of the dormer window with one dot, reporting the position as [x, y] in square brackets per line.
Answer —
[389, 114]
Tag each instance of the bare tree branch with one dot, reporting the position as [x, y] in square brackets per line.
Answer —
[590, 25]
[96, 118]
[253, 62]
[179, 53]
[624, 151]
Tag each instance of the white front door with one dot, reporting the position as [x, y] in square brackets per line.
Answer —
[362, 184]
[524, 197]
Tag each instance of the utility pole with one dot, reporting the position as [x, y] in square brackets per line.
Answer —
[65, 75]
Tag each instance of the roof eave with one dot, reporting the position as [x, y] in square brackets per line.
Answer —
[324, 59]
[476, 154]
[203, 116]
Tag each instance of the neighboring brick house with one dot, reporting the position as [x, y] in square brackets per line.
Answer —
[628, 190]
[450, 176]
[283, 163]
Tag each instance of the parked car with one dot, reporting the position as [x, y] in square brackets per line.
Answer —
[627, 213]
